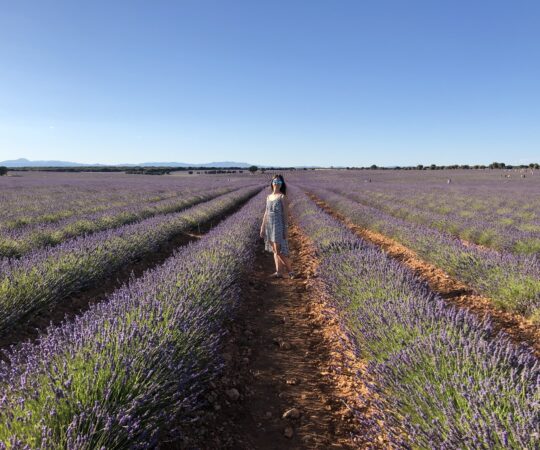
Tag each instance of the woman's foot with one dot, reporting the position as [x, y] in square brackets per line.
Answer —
[276, 275]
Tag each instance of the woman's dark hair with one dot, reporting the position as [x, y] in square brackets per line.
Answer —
[283, 187]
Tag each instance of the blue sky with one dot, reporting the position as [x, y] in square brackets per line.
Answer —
[332, 82]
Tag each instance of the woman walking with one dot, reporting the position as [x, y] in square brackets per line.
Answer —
[274, 228]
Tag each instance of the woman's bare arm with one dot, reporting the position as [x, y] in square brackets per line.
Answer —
[263, 223]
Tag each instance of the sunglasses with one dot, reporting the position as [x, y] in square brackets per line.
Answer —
[277, 182]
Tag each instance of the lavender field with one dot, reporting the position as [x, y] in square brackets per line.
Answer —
[137, 366]
[482, 227]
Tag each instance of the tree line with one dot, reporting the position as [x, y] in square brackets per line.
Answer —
[254, 169]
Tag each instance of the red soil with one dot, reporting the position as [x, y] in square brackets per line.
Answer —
[286, 350]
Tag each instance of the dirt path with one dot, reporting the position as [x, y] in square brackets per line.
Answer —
[286, 352]
[30, 327]
[520, 329]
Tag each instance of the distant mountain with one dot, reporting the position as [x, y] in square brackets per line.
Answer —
[23, 162]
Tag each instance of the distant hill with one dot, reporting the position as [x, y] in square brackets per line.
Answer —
[23, 162]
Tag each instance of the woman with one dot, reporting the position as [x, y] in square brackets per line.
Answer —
[274, 226]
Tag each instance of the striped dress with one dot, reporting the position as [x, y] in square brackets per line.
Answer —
[275, 225]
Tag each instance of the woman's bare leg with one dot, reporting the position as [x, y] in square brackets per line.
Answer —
[276, 261]
[275, 248]
[285, 262]
[282, 261]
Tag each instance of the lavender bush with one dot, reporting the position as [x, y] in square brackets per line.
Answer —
[51, 274]
[21, 240]
[512, 281]
[122, 373]
[40, 209]
[444, 377]
[483, 207]
[43, 198]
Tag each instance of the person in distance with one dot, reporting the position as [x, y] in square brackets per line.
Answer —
[274, 227]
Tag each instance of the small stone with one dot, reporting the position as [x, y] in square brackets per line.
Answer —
[292, 381]
[233, 394]
[268, 414]
[217, 406]
[285, 345]
[245, 360]
[293, 413]
[288, 432]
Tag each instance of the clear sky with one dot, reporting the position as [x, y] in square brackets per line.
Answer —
[311, 82]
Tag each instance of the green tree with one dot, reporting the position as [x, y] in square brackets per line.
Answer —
[3, 170]
[253, 169]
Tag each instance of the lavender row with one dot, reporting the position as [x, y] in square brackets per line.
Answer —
[485, 222]
[485, 208]
[512, 281]
[15, 243]
[46, 198]
[476, 215]
[26, 203]
[49, 275]
[129, 371]
[446, 379]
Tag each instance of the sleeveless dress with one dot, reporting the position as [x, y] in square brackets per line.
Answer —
[275, 225]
